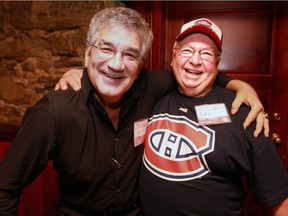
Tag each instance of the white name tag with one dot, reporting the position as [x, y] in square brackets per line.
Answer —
[210, 114]
[140, 127]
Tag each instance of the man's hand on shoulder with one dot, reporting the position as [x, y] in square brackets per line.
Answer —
[72, 78]
[247, 95]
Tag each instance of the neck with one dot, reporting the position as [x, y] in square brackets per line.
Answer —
[112, 109]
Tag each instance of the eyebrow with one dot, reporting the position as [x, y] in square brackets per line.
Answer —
[132, 49]
[206, 48]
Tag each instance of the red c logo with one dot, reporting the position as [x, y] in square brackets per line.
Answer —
[175, 147]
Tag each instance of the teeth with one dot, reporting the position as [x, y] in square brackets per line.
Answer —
[110, 76]
[193, 72]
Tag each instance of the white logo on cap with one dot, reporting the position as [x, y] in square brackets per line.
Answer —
[204, 23]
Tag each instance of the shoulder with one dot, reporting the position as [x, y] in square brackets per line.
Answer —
[158, 77]
[62, 96]
[55, 101]
[223, 92]
[220, 94]
[155, 83]
[168, 102]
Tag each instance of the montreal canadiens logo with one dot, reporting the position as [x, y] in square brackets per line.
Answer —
[175, 147]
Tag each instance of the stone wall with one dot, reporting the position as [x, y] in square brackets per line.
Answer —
[39, 40]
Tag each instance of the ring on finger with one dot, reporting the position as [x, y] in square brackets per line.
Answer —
[265, 116]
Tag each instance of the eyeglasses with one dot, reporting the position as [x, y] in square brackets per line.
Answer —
[108, 51]
[205, 54]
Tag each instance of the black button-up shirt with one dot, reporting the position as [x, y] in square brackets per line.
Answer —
[97, 165]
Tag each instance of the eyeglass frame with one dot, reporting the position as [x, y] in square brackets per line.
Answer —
[216, 56]
[114, 52]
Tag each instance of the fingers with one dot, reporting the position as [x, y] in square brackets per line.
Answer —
[236, 104]
[266, 127]
[262, 123]
[247, 95]
[257, 113]
[259, 125]
[62, 84]
[75, 80]
[57, 87]
[72, 78]
[251, 117]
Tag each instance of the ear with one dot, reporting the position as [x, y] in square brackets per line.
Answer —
[218, 60]
[172, 56]
[139, 70]
[87, 54]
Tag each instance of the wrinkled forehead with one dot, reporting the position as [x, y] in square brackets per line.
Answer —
[198, 39]
[120, 35]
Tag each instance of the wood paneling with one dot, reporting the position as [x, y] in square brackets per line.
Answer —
[41, 197]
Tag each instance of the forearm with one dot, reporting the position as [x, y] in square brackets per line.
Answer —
[238, 85]
[230, 83]
[281, 209]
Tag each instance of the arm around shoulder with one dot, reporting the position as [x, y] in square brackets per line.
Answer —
[246, 94]
[72, 78]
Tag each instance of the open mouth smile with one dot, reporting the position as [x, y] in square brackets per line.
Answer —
[193, 72]
[113, 76]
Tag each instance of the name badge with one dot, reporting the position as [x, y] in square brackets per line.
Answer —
[140, 127]
[211, 114]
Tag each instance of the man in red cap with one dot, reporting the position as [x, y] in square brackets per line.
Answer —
[204, 26]
[196, 153]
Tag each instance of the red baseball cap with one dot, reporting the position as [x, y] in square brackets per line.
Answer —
[205, 26]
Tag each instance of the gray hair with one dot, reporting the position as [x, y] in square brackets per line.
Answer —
[125, 17]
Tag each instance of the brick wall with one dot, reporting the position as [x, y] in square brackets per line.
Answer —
[39, 40]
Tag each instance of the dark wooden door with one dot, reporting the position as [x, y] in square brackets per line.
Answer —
[255, 49]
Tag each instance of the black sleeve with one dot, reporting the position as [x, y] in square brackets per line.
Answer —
[269, 177]
[27, 156]
[160, 83]
[223, 79]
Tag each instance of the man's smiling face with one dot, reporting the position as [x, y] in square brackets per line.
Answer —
[113, 76]
[194, 74]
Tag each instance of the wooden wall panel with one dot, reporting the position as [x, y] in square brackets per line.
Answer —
[247, 38]
[41, 197]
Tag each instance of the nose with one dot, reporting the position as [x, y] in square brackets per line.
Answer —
[195, 59]
[116, 63]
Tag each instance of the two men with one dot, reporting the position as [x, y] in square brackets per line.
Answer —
[94, 136]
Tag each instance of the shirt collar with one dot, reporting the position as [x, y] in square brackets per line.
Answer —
[86, 85]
